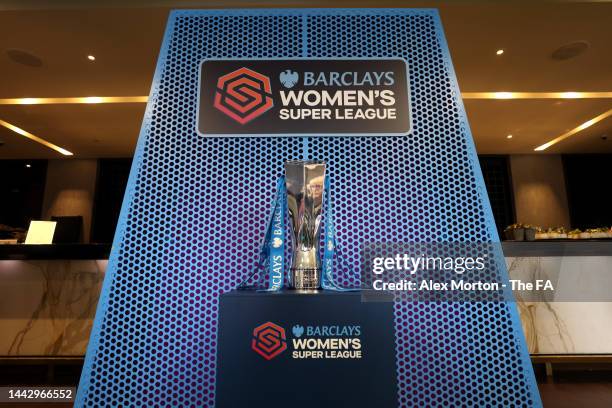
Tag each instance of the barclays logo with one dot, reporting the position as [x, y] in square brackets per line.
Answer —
[277, 243]
[289, 78]
[298, 330]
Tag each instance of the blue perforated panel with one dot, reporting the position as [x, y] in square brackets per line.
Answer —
[196, 208]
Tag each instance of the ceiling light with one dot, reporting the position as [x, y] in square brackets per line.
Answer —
[91, 58]
[28, 165]
[583, 126]
[35, 138]
[499, 52]
[464, 95]
[509, 137]
[536, 95]
[503, 95]
[570, 95]
[91, 99]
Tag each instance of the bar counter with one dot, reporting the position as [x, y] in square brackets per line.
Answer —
[54, 251]
[49, 293]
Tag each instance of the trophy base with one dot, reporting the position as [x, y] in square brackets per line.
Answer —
[266, 375]
[305, 278]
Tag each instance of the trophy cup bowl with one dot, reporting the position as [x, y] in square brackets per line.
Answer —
[305, 185]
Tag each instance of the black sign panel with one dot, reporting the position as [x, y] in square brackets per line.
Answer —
[302, 350]
[304, 97]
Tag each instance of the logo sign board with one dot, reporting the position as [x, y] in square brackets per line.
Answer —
[314, 97]
[309, 342]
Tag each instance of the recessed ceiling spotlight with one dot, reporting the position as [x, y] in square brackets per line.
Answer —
[499, 52]
[509, 137]
[91, 58]
[570, 50]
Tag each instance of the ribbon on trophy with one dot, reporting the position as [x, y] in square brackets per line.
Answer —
[276, 238]
[327, 277]
[272, 248]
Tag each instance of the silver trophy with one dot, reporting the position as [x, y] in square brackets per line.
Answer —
[305, 184]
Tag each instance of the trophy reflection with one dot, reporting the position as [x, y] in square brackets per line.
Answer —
[305, 184]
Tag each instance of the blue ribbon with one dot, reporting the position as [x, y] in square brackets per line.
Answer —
[327, 277]
[276, 232]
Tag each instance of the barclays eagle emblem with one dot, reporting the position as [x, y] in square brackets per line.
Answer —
[289, 78]
[298, 330]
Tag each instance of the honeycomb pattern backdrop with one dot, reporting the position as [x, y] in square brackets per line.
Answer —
[196, 208]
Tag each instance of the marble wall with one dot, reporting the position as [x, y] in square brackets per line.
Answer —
[577, 317]
[47, 307]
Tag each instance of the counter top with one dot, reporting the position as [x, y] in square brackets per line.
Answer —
[54, 251]
[557, 248]
[510, 248]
